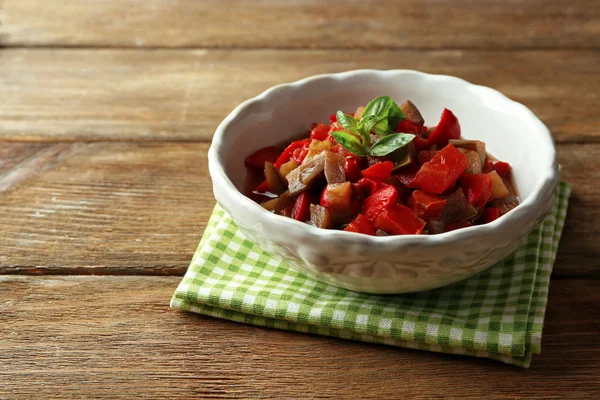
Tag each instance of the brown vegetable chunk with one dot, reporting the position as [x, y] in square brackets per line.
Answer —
[412, 112]
[475, 145]
[458, 208]
[505, 204]
[334, 168]
[320, 217]
[277, 182]
[499, 189]
[475, 165]
[302, 177]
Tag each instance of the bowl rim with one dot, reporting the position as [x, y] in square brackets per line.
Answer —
[527, 210]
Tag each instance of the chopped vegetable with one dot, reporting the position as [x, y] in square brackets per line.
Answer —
[399, 220]
[381, 172]
[446, 130]
[441, 173]
[425, 205]
[320, 217]
[361, 224]
[477, 188]
[499, 189]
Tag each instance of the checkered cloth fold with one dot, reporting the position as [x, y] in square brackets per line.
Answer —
[497, 314]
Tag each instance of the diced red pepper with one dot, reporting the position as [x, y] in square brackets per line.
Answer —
[448, 128]
[361, 224]
[333, 118]
[301, 210]
[489, 214]
[442, 171]
[300, 154]
[380, 171]
[452, 226]
[477, 188]
[487, 166]
[366, 187]
[426, 155]
[425, 205]
[406, 175]
[407, 126]
[289, 151]
[263, 187]
[352, 169]
[257, 159]
[399, 220]
[379, 201]
[320, 132]
[501, 167]
[420, 143]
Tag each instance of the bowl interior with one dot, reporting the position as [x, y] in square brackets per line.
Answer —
[510, 131]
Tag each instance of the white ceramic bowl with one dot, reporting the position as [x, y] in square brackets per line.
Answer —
[393, 264]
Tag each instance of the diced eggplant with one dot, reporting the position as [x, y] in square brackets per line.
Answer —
[285, 201]
[474, 166]
[458, 208]
[402, 157]
[317, 147]
[337, 198]
[475, 145]
[381, 232]
[320, 217]
[411, 112]
[435, 226]
[288, 167]
[269, 204]
[334, 167]
[277, 182]
[306, 174]
[505, 204]
[499, 189]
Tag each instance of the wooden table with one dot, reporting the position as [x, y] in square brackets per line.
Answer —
[107, 108]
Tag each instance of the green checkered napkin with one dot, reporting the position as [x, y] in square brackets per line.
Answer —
[497, 314]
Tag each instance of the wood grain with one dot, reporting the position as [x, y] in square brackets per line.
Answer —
[141, 208]
[71, 95]
[114, 337]
[302, 24]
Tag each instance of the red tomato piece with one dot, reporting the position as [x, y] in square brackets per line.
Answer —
[407, 126]
[361, 224]
[425, 205]
[257, 159]
[289, 151]
[301, 210]
[448, 128]
[399, 220]
[379, 201]
[380, 171]
[426, 155]
[490, 214]
[452, 226]
[477, 188]
[320, 132]
[501, 167]
[442, 171]
[352, 169]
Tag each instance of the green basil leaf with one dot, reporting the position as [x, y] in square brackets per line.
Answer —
[350, 142]
[386, 112]
[390, 143]
[348, 122]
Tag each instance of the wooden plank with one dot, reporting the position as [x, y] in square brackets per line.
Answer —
[141, 208]
[114, 337]
[302, 24]
[184, 94]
